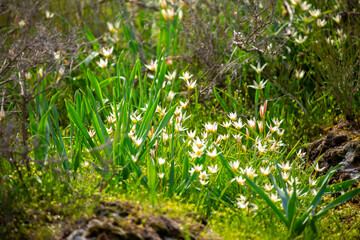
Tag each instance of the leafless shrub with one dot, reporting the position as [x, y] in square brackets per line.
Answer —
[227, 35]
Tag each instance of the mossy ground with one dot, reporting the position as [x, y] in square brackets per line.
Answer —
[54, 221]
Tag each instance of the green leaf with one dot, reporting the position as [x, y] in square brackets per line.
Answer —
[152, 179]
[163, 124]
[291, 210]
[222, 103]
[267, 199]
[91, 38]
[343, 198]
[95, 84]
[89, 58]
[106, 82]
[322, 190]
[342, 186]
[75, 118]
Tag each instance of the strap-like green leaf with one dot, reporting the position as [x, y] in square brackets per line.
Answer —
[343, 198]
[267, 199]
[222, 103]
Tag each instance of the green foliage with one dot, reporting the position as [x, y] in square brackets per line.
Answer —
[139, 118]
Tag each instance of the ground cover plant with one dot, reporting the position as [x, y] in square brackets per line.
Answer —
[205, 105]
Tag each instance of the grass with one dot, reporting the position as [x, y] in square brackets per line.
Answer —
[122, 127]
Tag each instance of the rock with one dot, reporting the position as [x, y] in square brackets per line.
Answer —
[338, 146]
[123, 220]
[76, 235]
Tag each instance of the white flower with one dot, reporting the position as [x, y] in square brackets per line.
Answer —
[22, 23]
[152, 66]
[277, 122]
[203, 182]
[161, 161]
[317, 169]
[312, 182]
[197, 150]
[242, 204]
[203, 175]
[57, 55]
[300, 154]
[211, 128]
[258, 69]
[184, 104]
[260, 85]
[240, 180]
[199, 143]
[191, 134]
[299, 74]
[293, 180]
[112, 28]
[92, 133]
[320, 23]
[315, 13]
[41, 72]
[285, 176]
[109, 130]
[138, 141]
[234, 165]
[134, 158]
[295, 2]
[111, 119]
[268, 187]
[213, 154]
[102, 63]
[251, 123]
[337, 18]
[198, 167]
[135, 118]
[179, 128]
[107, 52]
[254, 207]
[300, 39]
[164, 13]
[161, 175]
[49, 14]
[286, 166]
[171, 14]
[226, 124]
[186, 76]
[238, 137]
[191, 85]
[224, 136]
[265, 171]
[232, 116]
[260, 126]
[213, 169]
[280, 132]
[170, 96]
[28, 76]
[204, 135]
[171, 76]
[239, 124]
[305, 6]
[250, 172]
[274, 198]
[261, 148]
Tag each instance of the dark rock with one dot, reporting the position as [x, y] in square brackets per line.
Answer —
[123, 220]
[338, 146]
